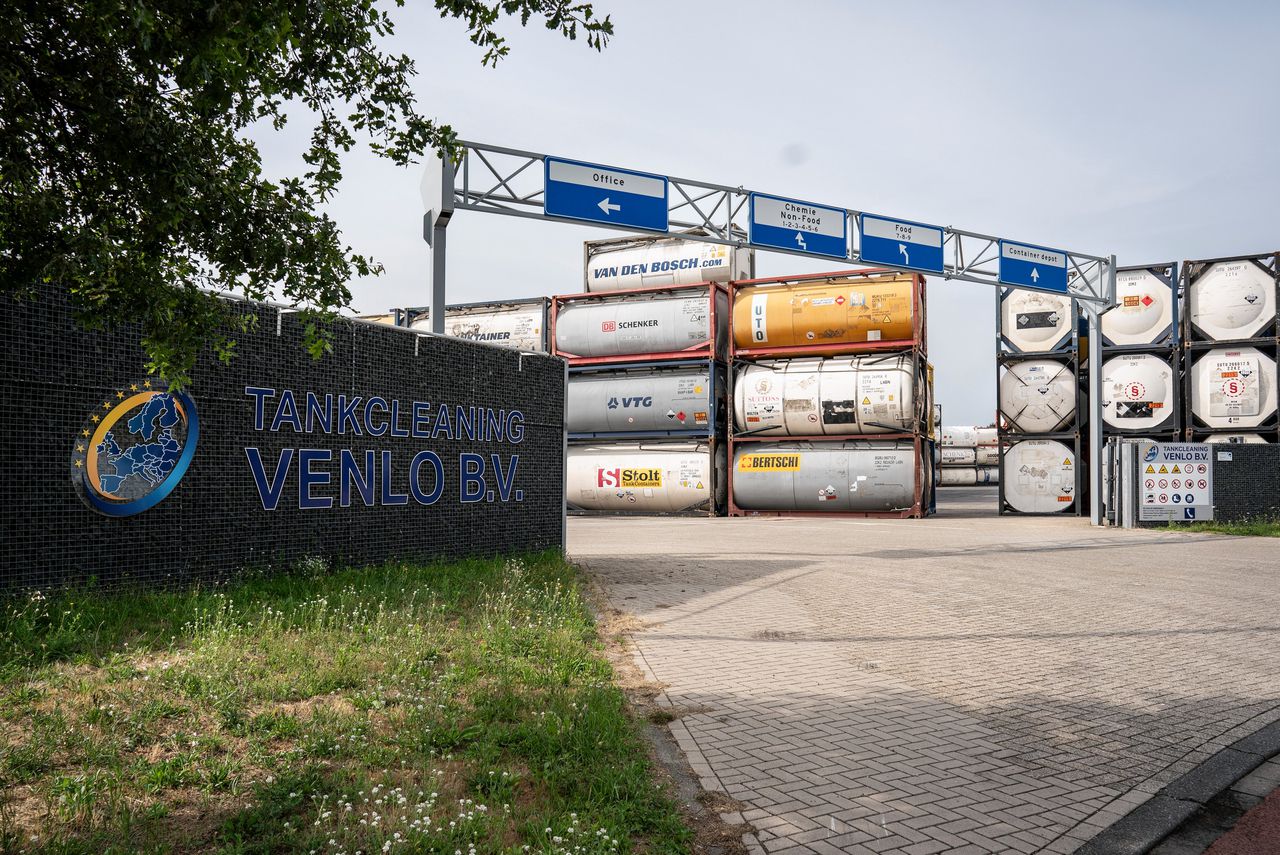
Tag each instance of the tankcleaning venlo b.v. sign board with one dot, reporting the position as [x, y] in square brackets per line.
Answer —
[1175, 481]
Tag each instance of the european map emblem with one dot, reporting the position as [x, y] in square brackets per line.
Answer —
[134, 448]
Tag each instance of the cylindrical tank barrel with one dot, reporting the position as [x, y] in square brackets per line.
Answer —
[1039, 476]
[647, 400]
[968, 436]
[516, 325]
[650, 478]
[623, 265]
[638, 324]
[813, 397]
[1234, 388]
[826, 476]
[959, 456]
[1038, 395]
[969, 476]
[1035, 322]
[1138, 392]
[840, 312]
[1143, 312]
[1232, 300]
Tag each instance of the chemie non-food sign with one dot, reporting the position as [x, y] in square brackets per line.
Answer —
[1175, 481]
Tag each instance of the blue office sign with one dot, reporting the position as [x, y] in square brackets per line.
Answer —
[605, 194]
[1027, 266]
[781, 223]
[900, 243]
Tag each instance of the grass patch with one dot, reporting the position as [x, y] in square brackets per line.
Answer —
[1242, 528]
[464, 707]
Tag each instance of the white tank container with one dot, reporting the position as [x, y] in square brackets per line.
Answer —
[1035, 322]
[650, 478]
[959, 456]
[1143, 313]
[1038, 395]
[969, 476]
[968, 436]
[1138, 393]
[825, 476]
[1231, 300]
[1039, 476]
[639, 324]
[1237, 438]
[640, 400]
[987, 455]
[521, 325]
[1234, 388]
[816, 397]
[623, 265]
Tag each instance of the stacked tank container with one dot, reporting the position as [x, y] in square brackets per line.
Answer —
[519, 324]
[1041, 403]
[831, 396]
[646, 344]
[1141, 357]
[968, 456]
[1231, 342]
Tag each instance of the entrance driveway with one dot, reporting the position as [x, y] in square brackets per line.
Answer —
[967, 683]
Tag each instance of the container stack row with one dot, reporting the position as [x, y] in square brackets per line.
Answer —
[1040, 398]
[1230, 342]
[968, 456]
[832, 401]
[646, 344]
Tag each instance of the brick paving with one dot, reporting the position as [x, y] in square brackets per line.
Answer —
[965, 684]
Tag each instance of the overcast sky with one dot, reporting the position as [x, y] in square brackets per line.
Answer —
[1145, 129]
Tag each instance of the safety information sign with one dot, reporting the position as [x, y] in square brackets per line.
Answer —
[1176, 481]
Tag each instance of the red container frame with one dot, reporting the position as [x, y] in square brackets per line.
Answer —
[919, 322]
[712, 349]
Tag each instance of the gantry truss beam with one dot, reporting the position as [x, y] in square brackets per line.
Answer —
[511, 182]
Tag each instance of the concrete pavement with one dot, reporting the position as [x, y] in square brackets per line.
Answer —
[967, 683]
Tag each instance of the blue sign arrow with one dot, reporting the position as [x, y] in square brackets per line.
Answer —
[605, 194]
[1036, 267]
[900, 243]
[799, 226]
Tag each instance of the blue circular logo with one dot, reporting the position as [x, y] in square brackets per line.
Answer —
[134, 449]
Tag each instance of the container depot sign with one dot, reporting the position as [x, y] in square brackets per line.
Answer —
[1175, 482]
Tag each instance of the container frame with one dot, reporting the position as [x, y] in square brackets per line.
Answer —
[1070, 344]
[1171, 337]
[919, 320]
[630, 241]
[406, 316]
[713, 444]
[1079, 504]
[1171, 354]
[924, 494]
[713, 348]
[1194, 428]
[716, 416]
[1269, 262]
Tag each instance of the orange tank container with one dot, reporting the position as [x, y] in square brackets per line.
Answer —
[839, 312]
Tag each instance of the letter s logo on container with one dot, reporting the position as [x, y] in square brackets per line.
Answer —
[606, 477]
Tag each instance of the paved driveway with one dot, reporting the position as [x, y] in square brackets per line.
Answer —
[968, 683]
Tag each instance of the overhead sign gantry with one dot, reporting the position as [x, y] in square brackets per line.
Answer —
[499, 180]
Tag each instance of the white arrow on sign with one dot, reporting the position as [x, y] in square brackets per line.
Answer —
[1035, 275]
[606, 207]
[902, 248]
[800, 240]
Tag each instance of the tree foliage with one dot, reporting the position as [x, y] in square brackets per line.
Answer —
[127, 176]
